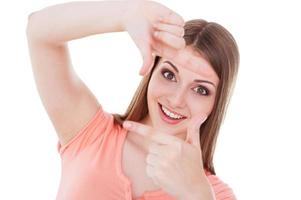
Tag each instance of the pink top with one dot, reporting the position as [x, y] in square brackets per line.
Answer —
[91, 166]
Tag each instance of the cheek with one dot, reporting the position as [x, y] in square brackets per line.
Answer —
[158, 87]
[201, 105]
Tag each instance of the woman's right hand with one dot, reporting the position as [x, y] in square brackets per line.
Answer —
[142, 19]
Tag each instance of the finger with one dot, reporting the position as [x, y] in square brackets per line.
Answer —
[154, 148]
[148, 59]
[194, 65]
[153, 160]
[164, 50]
[159, 150]
[189, 62]
[170, 39]
[193, 130]
[151, 173]
[171, 17]
[148, 62]
[149, 132]
[175, 30]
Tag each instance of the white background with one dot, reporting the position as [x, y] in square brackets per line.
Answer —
[258, 148]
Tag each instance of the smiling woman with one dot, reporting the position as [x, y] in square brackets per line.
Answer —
[176, 90]
[162, 147]
[215, 54]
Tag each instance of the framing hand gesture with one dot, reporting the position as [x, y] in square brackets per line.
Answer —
[174, 165]
[153, 27]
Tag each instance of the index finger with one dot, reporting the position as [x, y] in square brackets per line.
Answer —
[169, 16]
[149, 132]
[179, 57]
[193, 130]
[191, 62]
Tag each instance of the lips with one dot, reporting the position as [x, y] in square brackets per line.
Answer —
[168, 119]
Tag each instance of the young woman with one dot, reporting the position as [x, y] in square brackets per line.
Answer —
[165, 148]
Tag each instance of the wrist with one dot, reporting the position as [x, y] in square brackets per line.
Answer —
[129, 12]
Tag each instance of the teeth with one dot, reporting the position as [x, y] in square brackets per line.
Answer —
[170, 114]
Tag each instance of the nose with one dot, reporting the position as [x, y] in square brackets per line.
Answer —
[177, 100]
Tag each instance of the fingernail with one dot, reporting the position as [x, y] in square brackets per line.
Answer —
[127, 124]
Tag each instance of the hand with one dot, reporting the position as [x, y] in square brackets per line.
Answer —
[174, 165]
[142, 19]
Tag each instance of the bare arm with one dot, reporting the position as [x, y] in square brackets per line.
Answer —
[64, 22]
[67, 100]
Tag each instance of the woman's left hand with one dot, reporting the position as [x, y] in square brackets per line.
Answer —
[174, 165]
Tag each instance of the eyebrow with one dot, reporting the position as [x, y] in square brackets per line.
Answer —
[196, 80]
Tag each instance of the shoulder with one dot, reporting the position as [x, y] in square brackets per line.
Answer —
[99, 129]
[221, 189]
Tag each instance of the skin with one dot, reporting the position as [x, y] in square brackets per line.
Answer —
[180, 94]
[174, 164]
[161, 32]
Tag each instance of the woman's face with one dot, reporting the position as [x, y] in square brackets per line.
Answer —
[176, 94]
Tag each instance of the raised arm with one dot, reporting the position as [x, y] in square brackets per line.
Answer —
[67, 100]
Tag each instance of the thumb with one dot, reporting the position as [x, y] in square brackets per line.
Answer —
[193, 133]
[148, 60]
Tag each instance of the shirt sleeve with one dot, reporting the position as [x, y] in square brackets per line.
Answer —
[221, 190]
[95, 128]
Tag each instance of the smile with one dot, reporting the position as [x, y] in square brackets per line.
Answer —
[170, 116]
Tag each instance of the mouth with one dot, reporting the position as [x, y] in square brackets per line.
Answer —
[169, 116]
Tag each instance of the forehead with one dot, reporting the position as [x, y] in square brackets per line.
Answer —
[188, 59]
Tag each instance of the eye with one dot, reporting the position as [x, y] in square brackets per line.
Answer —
[168, 75]
[201, 90]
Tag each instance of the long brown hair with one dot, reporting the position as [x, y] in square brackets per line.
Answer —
[214, 43]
